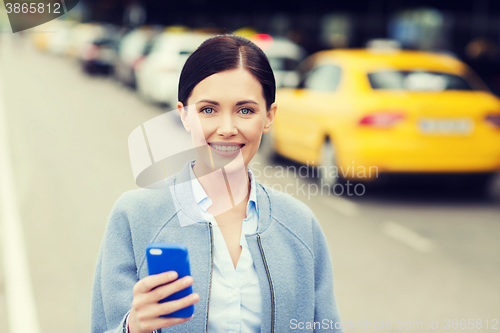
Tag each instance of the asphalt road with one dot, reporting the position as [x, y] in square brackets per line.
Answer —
[402, 254]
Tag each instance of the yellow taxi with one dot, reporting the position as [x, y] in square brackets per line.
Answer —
[358, 113]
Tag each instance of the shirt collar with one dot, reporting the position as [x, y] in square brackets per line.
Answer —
[204, 201]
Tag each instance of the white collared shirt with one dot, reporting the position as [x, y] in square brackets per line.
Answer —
[235, 298]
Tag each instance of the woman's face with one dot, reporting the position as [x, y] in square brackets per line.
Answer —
[226, 115]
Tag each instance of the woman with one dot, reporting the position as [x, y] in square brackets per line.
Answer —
[259, 259]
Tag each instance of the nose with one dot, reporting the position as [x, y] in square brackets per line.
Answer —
[227, 126]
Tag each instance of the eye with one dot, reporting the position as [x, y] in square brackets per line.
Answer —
[246, 111]
[207, 110]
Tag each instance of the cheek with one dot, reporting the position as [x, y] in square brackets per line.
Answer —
[254, 130]
[200, 128]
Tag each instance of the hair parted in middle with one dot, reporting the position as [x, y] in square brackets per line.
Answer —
[222, 53]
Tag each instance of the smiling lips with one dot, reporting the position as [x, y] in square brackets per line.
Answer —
[226, 149]
[226, 146]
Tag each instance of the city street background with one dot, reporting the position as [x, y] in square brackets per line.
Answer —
[400, 253]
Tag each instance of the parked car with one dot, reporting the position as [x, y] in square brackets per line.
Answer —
[61, 37]
[131, 50]
[44, 32]
[284, 57]
[83, 34]
[359, 113]
[158, 73]
[99, 53]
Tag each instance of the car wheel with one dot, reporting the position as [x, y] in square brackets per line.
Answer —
[267, 148]
[328, 172]
[493, 187]
[485, 185]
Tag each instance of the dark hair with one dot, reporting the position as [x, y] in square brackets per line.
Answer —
[226, 52]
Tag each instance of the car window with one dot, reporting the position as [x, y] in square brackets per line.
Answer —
[323, 78]
[148, 47]
[418, 81]
[283, 63]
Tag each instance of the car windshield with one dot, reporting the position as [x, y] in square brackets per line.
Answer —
[418, 81]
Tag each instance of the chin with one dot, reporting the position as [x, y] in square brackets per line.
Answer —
[233, 165]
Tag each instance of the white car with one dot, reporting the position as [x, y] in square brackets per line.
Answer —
[61, 37]
[131, 49]
[284, 57]
[81, 36]
[158, 73]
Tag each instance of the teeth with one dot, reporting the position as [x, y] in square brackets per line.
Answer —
[226, 148]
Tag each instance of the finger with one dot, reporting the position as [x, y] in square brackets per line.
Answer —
[159, 323]
[152, 281]
[176, 321]
[144, 300]
[169, 289]
[155, 310]
[181, 303]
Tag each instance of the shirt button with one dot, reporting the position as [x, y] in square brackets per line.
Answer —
[234, 292]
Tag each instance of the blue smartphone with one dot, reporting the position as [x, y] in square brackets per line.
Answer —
[164, 257]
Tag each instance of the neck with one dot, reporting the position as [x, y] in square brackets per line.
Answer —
[227, 191]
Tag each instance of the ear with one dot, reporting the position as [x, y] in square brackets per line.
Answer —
[270, 117]
[183, 112]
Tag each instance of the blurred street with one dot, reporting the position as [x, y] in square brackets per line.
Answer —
[400, 254]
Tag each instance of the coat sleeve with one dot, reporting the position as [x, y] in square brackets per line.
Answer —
[325, 307]
[115, 273]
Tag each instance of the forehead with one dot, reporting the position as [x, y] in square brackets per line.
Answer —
[228, 86]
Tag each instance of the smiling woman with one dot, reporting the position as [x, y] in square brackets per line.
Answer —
[232, 119]
[229, 84]
[239, 234]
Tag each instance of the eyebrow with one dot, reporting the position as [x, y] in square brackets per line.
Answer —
[217, 103]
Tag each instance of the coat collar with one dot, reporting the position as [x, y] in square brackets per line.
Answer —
[186, 205]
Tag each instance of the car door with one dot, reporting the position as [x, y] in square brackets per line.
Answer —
[307, 112]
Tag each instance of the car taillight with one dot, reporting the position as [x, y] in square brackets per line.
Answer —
[493, 119]
[264, 41]
[381, 119]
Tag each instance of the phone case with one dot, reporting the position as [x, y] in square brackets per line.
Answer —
[164, 257]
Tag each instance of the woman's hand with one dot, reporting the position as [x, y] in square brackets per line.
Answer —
[145, 314]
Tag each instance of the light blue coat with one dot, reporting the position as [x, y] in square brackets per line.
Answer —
[289, 250]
